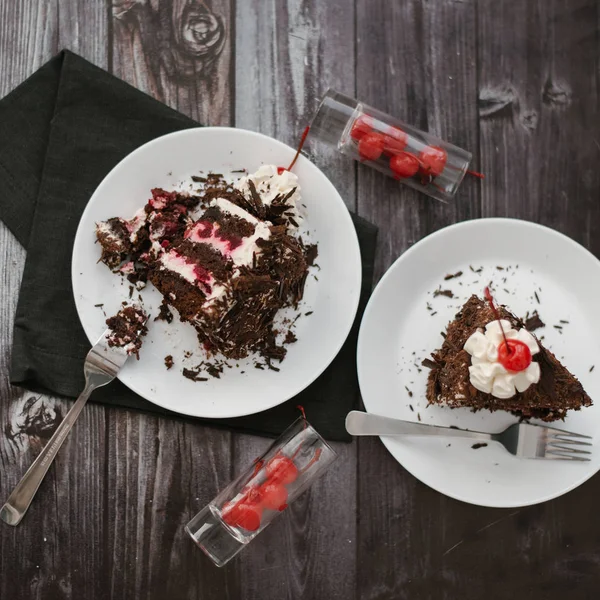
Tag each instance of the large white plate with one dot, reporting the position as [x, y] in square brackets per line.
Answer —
[166, 162]
[398, 331]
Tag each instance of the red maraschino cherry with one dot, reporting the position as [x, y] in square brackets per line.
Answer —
[361, 127]
[395, 141]
[244, 515]
[433, 160]
[404, 165]
[274, 495]
[514, 355]
[370, 146]
[282, 469]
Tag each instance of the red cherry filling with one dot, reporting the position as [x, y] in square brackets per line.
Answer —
[433, 160]
[370, 146]
[282, 469]
[361, 127]
[404, 165]
[395, 141]
[514, 355]
[246, 516]
[274, 495]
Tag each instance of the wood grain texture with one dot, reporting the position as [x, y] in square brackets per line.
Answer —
[178, 51]
[288, 53]
[39, 554]
[517, 83]
[431, 546]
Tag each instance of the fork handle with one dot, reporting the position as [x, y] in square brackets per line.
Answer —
[18, 502]
[362, 423]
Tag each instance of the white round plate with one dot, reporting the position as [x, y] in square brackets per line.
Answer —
[402, 325]
[169, 162]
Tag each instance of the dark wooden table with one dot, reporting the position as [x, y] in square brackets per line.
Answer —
[517, 83]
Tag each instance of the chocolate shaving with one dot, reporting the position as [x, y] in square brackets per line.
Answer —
[453, 275]
[533, 322]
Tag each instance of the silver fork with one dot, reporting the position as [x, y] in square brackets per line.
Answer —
[101, 366]
[521, 439]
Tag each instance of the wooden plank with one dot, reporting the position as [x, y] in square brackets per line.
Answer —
[54, 551]
[422, 57]
[287, 54]
[160, 472]
[538, 104]
[417, 543]
[179, 52]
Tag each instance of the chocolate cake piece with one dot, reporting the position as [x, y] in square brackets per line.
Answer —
[227, 259]
[127, 328]
[450, 384]
[113, 236]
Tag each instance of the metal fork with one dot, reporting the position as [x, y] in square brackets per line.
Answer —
[101, 366]
[521, 439]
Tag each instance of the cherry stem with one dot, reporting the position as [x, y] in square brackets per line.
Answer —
[301, 409]
[488, 297]
[302, 140]
[476, 174]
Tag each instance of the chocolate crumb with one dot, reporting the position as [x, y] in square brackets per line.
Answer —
[193, 374]
[564, 321]
[98, 305]
[411, 407]
[441, 292]
[290, 338]
[592, 368]
[427, 362]
[479, 445]
[434, 313]
[537, 297]
[557, 326]
[130, 291]
[410, 394]
[533, 322]
[453, 275]
[419, 416]
[500, 268]
[164, 313]
[307, 314]
[476, 270]
[168, 361]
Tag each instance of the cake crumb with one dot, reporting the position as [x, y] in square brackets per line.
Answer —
[441, 292]
[168, 361]
[533, 322]
[193, 374]
[453, 275]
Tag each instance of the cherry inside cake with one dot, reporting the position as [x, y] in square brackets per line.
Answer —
[489, 360]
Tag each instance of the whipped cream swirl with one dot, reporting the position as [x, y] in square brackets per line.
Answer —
[490, 376]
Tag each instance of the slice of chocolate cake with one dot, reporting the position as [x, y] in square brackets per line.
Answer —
[469, 371]
[127, 328]
[227, 259]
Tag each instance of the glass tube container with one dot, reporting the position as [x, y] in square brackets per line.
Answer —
[255, 498]
[413, 157]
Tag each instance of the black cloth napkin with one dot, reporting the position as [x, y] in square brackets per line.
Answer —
[61, 131]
